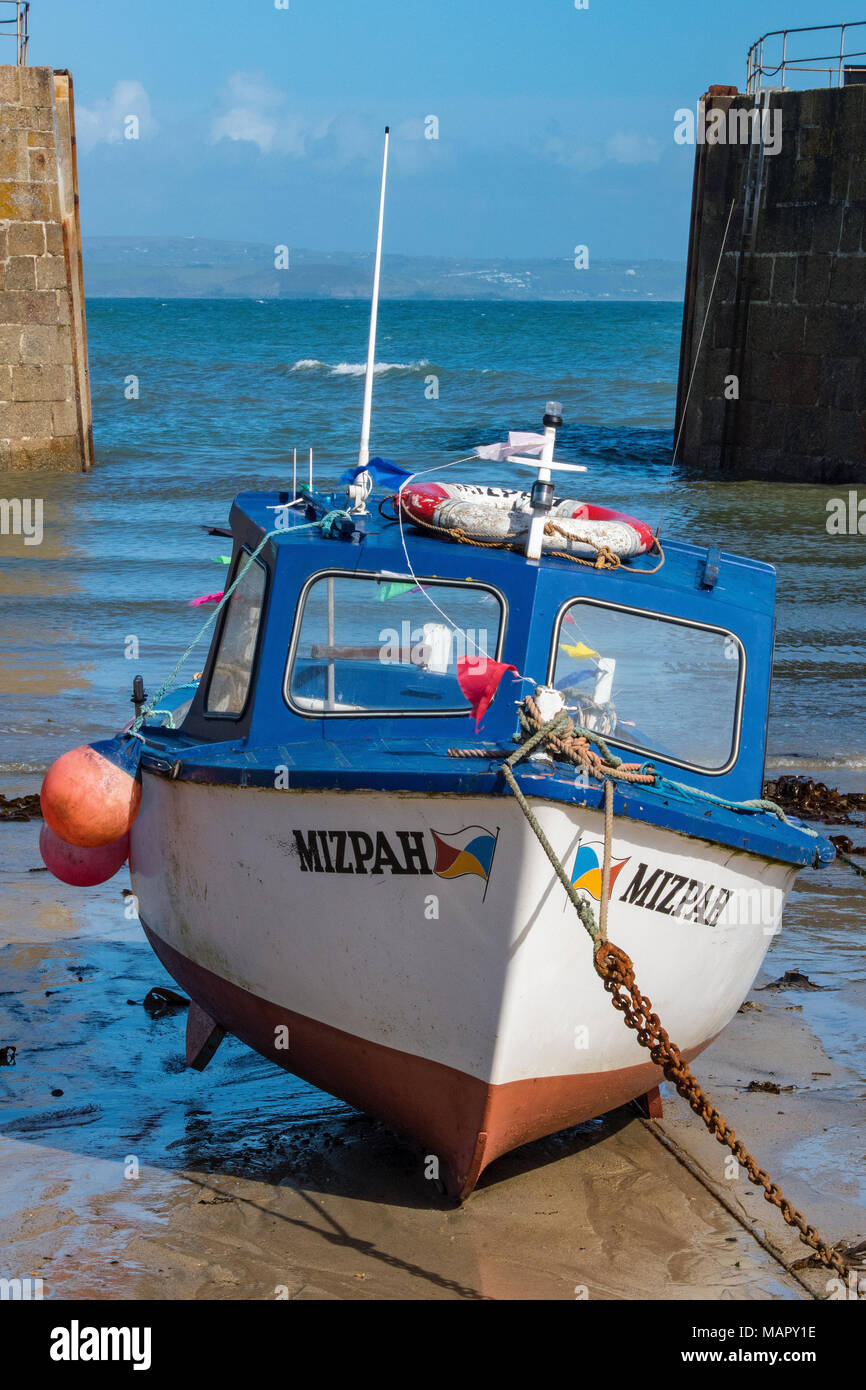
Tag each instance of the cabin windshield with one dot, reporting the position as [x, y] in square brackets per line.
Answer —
[230, 680]
[666, 688]
[384, 644]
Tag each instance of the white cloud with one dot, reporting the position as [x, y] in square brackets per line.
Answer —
[346, 140]
[574, 152]
[249, 111]
[569, 151]
[105, 122]
[254, 110]
[633, 147]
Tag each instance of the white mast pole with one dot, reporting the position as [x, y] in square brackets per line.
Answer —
[542, 492]
[364, 451]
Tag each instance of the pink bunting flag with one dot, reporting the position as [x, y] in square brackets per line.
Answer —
[206, 598]
[479, 680]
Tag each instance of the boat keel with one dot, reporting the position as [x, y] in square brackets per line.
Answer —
[203, 1037]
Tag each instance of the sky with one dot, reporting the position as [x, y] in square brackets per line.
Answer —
[262, 120]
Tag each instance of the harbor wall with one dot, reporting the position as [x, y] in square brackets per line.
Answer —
[45, 412]
[779, 388]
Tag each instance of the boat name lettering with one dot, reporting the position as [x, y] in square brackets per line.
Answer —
[676, 895]
[360, 852]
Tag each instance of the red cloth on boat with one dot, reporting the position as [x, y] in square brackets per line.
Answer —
[479, 679]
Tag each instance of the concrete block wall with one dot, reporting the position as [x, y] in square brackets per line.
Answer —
[45, 420]
[788, 317]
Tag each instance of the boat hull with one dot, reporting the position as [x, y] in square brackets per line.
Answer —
[416, 956]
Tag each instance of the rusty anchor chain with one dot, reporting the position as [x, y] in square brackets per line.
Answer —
[616, 970]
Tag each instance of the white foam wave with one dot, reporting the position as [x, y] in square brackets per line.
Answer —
[359, 368]
[312, 364]
[855, 762]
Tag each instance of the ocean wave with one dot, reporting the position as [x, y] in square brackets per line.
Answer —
[853, 761]
[313, 364]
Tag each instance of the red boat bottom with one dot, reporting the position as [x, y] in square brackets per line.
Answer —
[463, 1121]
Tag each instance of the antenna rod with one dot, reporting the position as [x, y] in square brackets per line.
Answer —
[364, 451]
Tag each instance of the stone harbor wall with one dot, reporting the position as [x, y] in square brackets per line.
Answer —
[45, 419]
[779, 386]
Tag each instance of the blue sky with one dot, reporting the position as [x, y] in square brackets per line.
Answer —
[259, 123]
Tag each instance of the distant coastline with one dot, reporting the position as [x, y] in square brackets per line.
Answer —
[200, 268]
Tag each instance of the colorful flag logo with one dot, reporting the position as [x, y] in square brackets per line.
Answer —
[467, 851]
[587, 869]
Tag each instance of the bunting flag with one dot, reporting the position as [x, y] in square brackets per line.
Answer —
[479, 680]
[517, 440]
[381, 470]
[394, 590]
[205, 598]
[580, 651]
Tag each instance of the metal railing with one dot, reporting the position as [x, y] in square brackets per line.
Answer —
[15, 26]
[770, 57]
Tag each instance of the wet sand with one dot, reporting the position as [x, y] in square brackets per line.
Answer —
[123, 1175]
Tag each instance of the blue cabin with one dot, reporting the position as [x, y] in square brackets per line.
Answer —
[336, 659]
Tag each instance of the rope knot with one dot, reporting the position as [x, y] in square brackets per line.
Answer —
[568, 742]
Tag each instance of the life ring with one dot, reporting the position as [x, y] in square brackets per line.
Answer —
[492, 514]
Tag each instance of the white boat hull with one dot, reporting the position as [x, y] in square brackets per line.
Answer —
[461, 1008]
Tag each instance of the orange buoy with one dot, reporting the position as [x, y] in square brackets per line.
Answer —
[83, 868]
[91, 795]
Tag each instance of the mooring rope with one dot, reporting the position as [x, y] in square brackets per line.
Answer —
[858, 868]
[570, 742]
[150, 708]
[756, 806]
[608, 847]
[583, 910]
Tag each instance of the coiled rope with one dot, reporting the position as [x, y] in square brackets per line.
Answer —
[570, 742]
[605, 559]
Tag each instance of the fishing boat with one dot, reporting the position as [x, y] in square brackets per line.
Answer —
[327, 856]
[331, 885]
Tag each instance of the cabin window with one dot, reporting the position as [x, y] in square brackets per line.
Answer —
[384, 644]
[666, 688]
[233, 668]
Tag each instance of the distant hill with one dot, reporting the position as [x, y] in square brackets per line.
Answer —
[198, 268]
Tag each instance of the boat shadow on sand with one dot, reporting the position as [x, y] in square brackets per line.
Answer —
[95, 1074]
